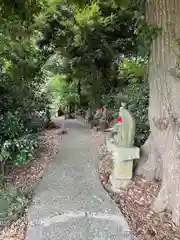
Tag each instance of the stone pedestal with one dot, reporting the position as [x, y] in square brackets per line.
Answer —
[123, 163]
[118, 183]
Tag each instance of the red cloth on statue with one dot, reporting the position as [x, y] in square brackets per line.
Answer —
[119, 119]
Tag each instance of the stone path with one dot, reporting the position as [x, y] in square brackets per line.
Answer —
[70, 203]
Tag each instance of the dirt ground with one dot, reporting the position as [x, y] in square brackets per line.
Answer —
[135, 204]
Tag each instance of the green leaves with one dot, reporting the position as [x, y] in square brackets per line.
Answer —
[15, 142]
[90, 39]
[132, 70]
[137, 99]
[88, 16]
[145, 33]
[1, 158]
[25, 10]
[22, 79]
[63, 92]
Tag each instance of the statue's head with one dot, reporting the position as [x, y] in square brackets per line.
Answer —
[123, 104]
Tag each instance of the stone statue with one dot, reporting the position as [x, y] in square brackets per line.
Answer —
[120, 143]
[123, 132]
[104, 114]
[98, 114]
[88, 115]
[103, 121]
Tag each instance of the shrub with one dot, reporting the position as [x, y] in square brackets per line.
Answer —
[17, 144]
[136, 97]
[134, 91]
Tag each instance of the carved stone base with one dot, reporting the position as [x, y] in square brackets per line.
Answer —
[122, 169]
[119, 183]
[122, 160]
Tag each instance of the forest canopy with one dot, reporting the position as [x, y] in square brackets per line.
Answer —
[87, 53]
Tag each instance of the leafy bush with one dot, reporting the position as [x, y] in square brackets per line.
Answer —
[136, 97]
[17, 144]
[134, 92]
[63, 93]
[132, 70]
[12, 205]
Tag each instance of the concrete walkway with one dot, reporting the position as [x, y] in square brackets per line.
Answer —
[70, 203]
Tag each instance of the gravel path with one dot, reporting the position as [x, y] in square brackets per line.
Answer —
[70, 202]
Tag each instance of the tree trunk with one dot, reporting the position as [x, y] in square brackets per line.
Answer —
[163, 145]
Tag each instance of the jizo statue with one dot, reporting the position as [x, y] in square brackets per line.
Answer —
[123, 132]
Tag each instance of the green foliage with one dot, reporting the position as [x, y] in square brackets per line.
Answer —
[137, 100]
[16, 144]
[132, 70]
[25, 10]
[21, 76]
[135, 93]
[90, 39]
[11, 206]
[136, 97]
[22, 80]
[145, 33]
[63, 93]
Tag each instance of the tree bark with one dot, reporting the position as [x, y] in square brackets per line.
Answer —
[163, 145]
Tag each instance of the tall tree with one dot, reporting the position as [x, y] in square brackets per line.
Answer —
[162, 150]
[91, 39]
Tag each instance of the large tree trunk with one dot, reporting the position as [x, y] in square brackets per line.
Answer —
[163, 146]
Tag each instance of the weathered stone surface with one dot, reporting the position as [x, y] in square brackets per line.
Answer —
[119, 183]
[123, 133]
[98, 115]
[123, 170]
[120, 144]
[123, 160]
[123, 153]
[70, 202]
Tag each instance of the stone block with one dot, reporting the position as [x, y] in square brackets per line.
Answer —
[119, 183]
[123, 161]
[122, 153]
[122, 169]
